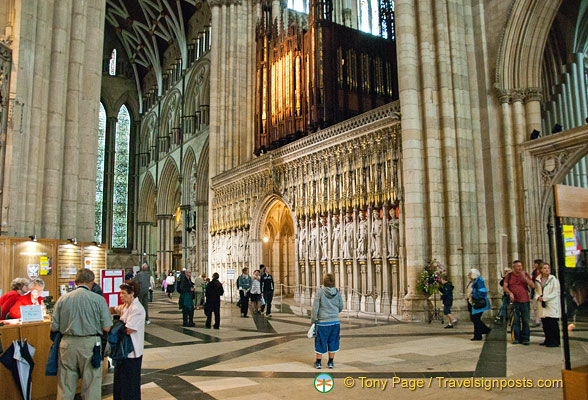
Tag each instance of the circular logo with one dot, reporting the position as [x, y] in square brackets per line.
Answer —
[324, 383]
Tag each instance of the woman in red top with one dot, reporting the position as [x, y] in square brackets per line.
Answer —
[33, 298]
[19, 287]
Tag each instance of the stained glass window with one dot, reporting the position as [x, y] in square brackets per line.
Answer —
[100, 174]
[112, 63]
[120, 199]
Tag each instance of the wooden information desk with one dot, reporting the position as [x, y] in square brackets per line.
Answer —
[37, 334]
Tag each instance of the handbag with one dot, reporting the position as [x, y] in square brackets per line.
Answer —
[311, 331]
[478, 303]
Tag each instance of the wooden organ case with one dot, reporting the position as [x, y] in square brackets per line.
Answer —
[312, 73]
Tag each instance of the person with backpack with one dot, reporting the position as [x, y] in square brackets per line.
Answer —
[244, 285]
[517, 285]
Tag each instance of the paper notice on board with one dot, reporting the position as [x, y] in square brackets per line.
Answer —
[107, 285]
[111, 273]
[113, 300]
[570, 261]
[117, 282]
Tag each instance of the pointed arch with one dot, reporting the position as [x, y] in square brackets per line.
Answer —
[99, 204]
[201, 188]
[188, 173]
[146, 211]
[120, 195]
[168, 188]
[520, 56]
[170, 113]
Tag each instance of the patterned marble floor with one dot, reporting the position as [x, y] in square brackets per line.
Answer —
[257, 358]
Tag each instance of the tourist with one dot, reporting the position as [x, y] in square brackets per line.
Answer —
[170, 282]
[255, 293]
[199, 284]
[32, 298]
[19, 287]
[244, 285]
[267, 290]
[325, 315]
[214, 291]
[127, 371]
[81, 317]
[143, 278]
[516, 285]
[446, 289]
[151, 288]
[186, 303]
[477, 296]
[505, 299]
[534, 275]
[548, 304]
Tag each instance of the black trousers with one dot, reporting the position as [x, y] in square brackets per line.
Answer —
[127, 379]
[480, 328]
[244, 300]
[268, 296]
[212, 308]
[551, 330]
[188, 316]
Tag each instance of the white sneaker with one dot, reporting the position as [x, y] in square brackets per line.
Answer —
[147, 322]
[455, 321]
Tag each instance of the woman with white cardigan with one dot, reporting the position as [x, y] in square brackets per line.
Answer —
[547, 293]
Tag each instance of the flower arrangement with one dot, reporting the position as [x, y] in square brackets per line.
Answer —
[430, 278]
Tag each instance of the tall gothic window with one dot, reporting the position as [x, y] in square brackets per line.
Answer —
[112, 63]
[120, 200]
[100, 174]
[298, 5]
[369, 16]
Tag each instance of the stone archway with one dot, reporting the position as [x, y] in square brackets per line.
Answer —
[546, 162]
[272, 234]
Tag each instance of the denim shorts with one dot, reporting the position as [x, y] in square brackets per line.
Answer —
[327, 337]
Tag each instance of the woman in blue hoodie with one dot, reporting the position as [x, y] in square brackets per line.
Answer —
[325, 314]
[477, 296]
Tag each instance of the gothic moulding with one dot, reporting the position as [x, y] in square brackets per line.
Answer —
[520, 55]
[352, 165]
[546, 161]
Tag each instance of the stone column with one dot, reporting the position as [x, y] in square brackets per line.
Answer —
[165, 230]
[355, 299]
[385, 295]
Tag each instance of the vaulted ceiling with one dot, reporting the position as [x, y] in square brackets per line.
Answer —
[146, 28]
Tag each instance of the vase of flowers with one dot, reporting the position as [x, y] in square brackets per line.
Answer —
[430, 278]
[428, 284]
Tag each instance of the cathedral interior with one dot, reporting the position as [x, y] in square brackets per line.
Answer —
[360, 138]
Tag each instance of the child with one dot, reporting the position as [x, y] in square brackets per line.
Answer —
[325, 314]
[446, 290]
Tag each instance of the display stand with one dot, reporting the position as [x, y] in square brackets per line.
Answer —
[110, 281]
